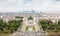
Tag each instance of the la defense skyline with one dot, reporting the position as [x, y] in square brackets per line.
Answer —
[32, 12]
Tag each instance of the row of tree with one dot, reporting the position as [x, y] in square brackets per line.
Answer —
[47, 24]
[9, 27]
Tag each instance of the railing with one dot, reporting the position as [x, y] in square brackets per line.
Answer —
[41, 35]
[33, 34]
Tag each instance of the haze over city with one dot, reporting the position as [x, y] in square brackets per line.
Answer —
[27, 5]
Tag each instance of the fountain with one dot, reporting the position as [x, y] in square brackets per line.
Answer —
[30, 29]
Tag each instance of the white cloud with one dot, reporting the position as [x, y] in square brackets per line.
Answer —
[40, 5]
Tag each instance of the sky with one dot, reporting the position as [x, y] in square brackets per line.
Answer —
[26, 5]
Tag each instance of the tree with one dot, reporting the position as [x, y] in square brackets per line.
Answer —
[44, 24]
[44, 27]
[11, 26]
[51, 27]
[58, 22]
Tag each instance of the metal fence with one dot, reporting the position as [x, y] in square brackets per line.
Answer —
[33, 34]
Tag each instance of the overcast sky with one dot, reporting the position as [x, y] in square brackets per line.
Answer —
[38, 5]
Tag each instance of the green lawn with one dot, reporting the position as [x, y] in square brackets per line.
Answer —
[27, 27]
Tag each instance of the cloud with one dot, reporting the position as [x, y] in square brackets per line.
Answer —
[39, 5]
